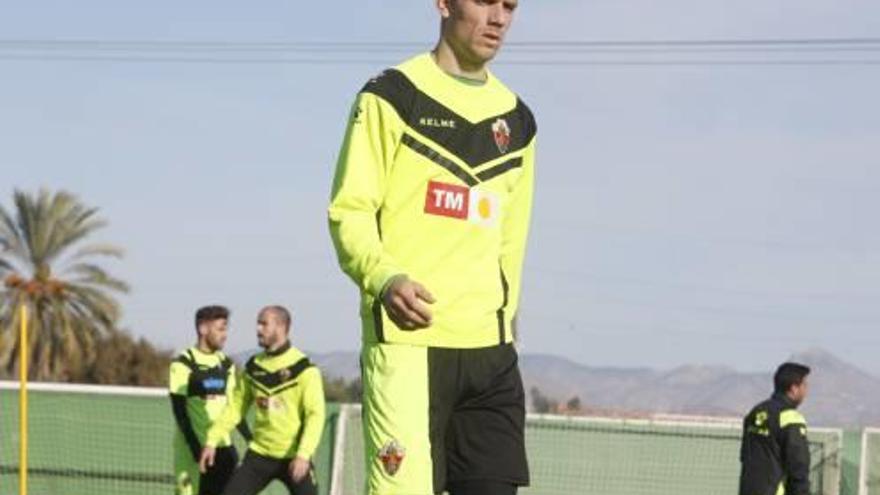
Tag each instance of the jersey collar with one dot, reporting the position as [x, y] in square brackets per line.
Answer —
[281, 350]
[784, 399]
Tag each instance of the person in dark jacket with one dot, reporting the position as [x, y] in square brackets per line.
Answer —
[775, 454]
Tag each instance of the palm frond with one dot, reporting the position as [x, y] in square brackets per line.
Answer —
[5, 266]
[11, 236]
[70, 227]
[98, 250]
[101, 308]
[90, 274]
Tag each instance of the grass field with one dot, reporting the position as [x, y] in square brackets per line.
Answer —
[612, 457]
[84, 444]
[103, 445]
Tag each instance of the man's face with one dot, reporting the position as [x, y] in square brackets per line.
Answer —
[270, 330]
[475, 28]
[214, 333]
[799, 392]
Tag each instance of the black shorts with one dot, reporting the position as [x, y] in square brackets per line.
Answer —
[257, 471]
[454, 415]
[218, 475]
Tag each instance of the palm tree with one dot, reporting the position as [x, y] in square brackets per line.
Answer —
[45, 265]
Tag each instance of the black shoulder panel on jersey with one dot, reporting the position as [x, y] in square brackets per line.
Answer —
[187, 360]
[205, 381]
[276, 381]
[395, 88]
[439, 159]
[226, 363]
[474, 143]
[491, 173]
[250, 364]
[527, 118]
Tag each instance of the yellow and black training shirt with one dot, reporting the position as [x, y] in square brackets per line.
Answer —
[289, 397]
[434, 181]
[200, 385]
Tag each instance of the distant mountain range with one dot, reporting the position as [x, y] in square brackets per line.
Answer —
[840, 393]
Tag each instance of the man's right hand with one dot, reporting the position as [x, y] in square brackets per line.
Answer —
[206, 460]
[404, 301]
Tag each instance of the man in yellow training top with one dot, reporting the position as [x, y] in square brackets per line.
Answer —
[289, 417]
[201, 382]
[429, 216]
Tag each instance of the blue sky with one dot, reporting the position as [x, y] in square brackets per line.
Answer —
[684, 214]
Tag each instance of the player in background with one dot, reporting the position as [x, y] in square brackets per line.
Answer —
[201, 382]
[775, 454]
[289, 418]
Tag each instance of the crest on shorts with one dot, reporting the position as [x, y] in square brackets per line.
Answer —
[392, 455]
[501, 133]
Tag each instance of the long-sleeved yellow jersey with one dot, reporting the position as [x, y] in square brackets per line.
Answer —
[434, 180]
[289, 396]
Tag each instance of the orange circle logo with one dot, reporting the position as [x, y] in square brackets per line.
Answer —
[485, 208]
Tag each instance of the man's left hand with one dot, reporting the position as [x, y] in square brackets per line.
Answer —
[299, 468]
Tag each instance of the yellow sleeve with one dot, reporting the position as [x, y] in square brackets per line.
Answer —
[515, 229]
[235, 409]
[364, 164]
[312, 413]
[178, 378]
[232, 382]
